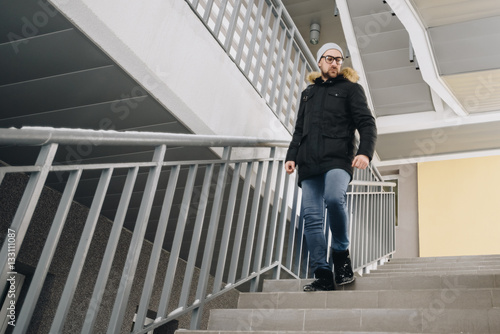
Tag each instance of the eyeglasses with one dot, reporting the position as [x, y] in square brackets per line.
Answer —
[329, 59]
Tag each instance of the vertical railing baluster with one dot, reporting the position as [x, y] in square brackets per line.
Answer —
[300, 247]
[366, 217]
[109, 253]
[386, 229]
[220, 17]
[238, 236]
[208, 11]
[291, 93]
[22, 218]
[351, 222]
[280, 242]
[81, 252]
[244, 31]
[196, 236]
[274, 86]
[375, 238]
[157, 248]
[224, 246]
[284, 75]
[370, 229]
[253, 221]
[378, 224]
[270, 54]
[194, 4]
[253, 39]
[292, 230]
[357, 227]
[392, 222]
[232, 27]
[49, 249]
[177, 242]
[264, 218]
[387, 240]
[210, 240]
[134, 251]
[274, 215]
[382, 224]
[262, 46]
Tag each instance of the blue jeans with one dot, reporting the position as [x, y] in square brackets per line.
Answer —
[327, 189]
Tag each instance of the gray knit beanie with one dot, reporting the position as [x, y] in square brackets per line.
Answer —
[327, 47]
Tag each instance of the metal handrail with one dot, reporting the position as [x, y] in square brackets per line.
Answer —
[372, 183]
[37, 136]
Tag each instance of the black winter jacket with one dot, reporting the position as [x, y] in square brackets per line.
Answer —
[329, 113]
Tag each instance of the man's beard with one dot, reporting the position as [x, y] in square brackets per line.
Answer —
[333, 73]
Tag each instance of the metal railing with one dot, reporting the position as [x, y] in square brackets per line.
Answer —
[229, 221]
[262, 40]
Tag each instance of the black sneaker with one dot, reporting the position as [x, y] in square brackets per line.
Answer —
[343, 268]
[323, 281]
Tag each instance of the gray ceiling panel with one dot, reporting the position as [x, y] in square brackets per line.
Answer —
[366, 7]
[402, 99]
[442, 12]
[48, 55]
[24, 19]
[377, 22]
[388, 60]
[467, 46]
[132, 114]
[401, 76]
[383, 42]
[451, 140]
[67, 91]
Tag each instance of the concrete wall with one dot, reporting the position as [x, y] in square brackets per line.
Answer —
[10, 193]
[458, 207]
[168, 50]
[407, 244]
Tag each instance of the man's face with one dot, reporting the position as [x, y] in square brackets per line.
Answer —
[329, 71]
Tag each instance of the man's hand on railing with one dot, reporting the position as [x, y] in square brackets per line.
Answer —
[361, 161]
[290, 167]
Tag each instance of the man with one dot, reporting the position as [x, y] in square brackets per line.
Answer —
[323, 150]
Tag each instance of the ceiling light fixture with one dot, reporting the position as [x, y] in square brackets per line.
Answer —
[314, 33]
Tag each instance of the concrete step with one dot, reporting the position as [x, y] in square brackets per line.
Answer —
[387, 269]
[182, 331]
[431, 320]
[451, 297]
[431, 272]
[397, 282]
[447, 259]
[439, 265]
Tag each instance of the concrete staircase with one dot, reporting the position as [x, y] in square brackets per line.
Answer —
[418, 295]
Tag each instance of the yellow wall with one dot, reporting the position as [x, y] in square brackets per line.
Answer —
[459, 207]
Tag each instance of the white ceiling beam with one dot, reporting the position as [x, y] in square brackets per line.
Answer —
[421, 43]
[431, 120]
[441, 157]
[352, 45]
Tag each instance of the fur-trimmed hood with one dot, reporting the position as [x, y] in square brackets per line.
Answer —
[348, 73]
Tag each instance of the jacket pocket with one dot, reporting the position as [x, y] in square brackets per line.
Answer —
[336, 145]
[302, 151]
[335, 99]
